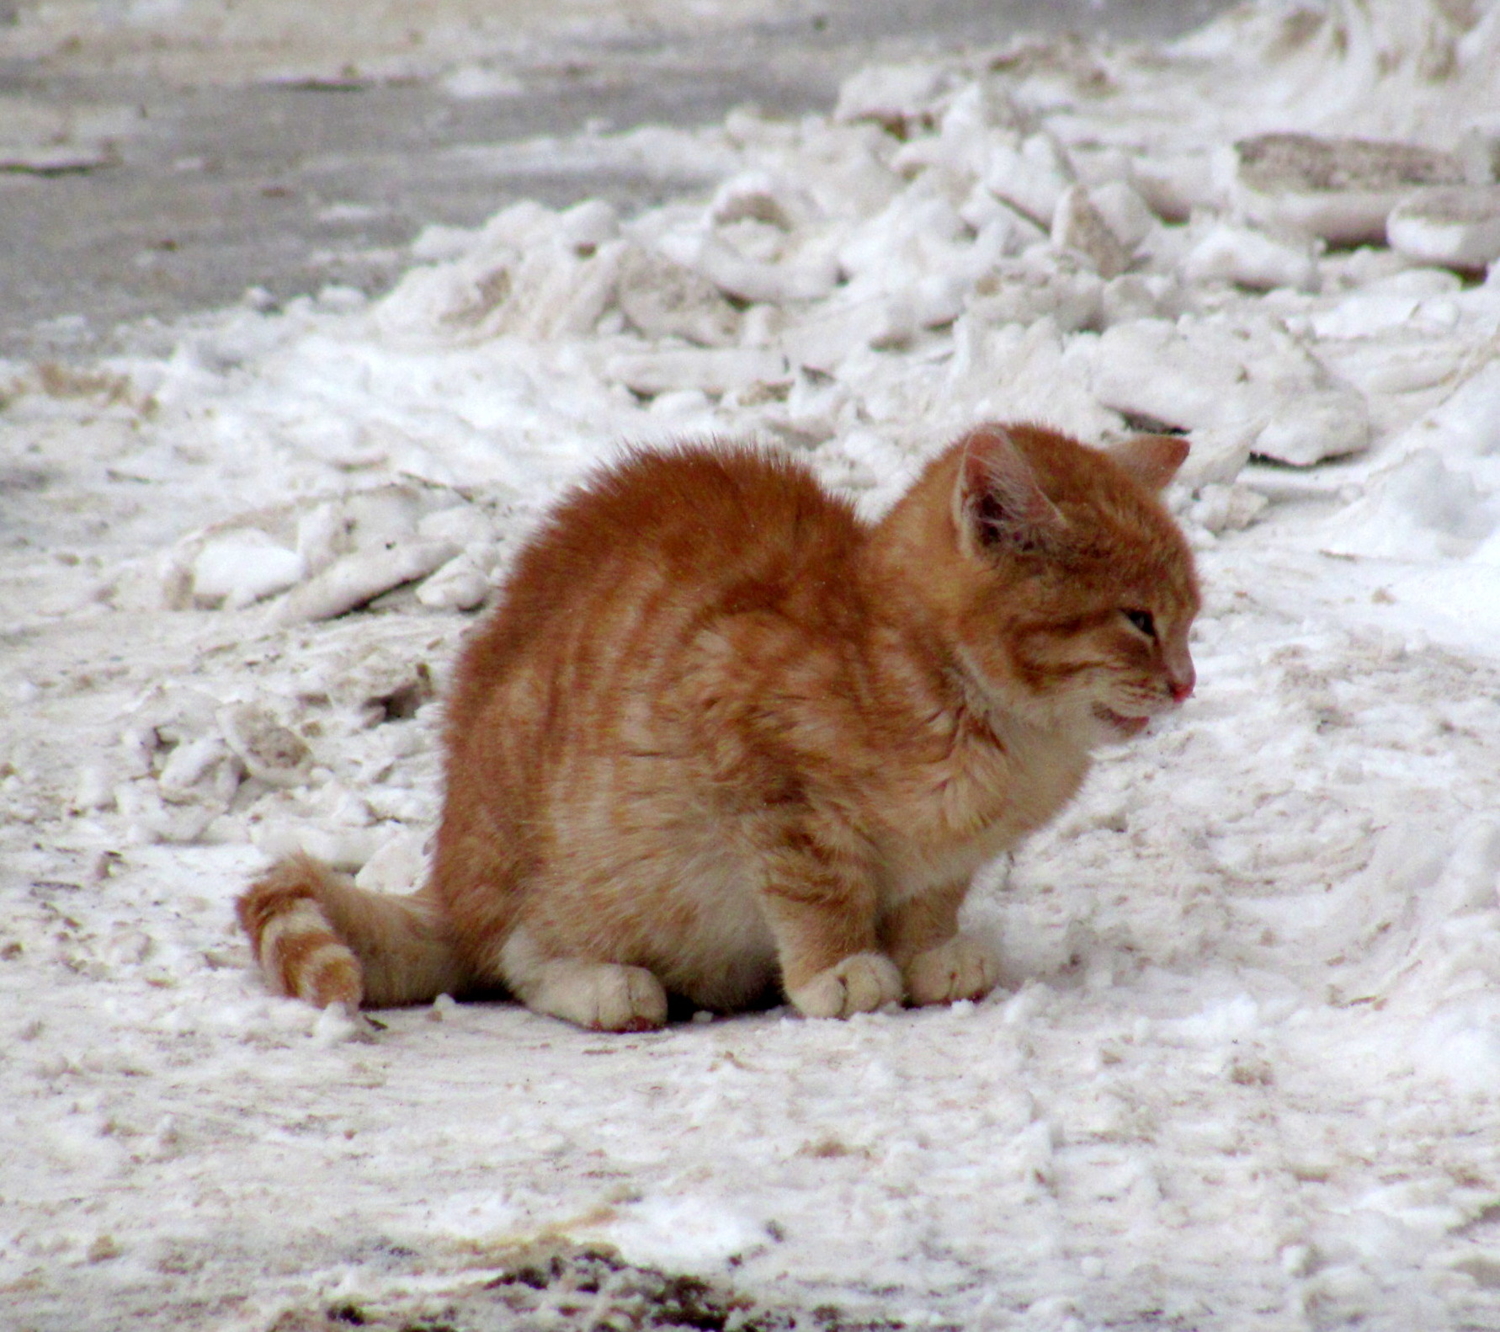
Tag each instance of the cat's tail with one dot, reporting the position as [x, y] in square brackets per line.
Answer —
[317, 937]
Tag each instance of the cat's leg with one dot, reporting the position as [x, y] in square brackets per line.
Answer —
[603, 996]
[821, 908]
[939, 962]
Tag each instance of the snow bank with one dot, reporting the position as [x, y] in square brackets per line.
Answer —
[1243, 1071]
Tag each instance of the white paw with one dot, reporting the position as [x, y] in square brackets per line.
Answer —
[601, 996]
[860, 983]
[962, 968]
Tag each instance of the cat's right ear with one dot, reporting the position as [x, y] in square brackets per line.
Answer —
[997, 503]
[1152, 459]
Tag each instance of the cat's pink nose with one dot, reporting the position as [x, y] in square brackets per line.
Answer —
[1182, 686]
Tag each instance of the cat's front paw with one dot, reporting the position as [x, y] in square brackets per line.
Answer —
[860, 983]
[961, 968]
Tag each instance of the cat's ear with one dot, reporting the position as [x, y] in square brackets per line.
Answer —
[997, 502]
[1152, 460]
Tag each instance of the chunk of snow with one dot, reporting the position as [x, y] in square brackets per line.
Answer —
[398, 865]
[1123, 210]
[269, 750]
[348, 849]
[198, 769]
[1173, 184]
[664, 299]
[894, 96]
[1418, 510]
[355, 579]
[243, 567]
[1341, 190]
[460, 584]
[1031, 177]
[1251, 258]
[750, 279]
[710, 371]
[1239, 390]
[1079, 228]
[460, 525]
[1458, 228]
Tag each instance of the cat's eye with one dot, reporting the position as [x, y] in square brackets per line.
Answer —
[1142, 620]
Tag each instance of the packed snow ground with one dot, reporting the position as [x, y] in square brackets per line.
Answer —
[1243, 1073]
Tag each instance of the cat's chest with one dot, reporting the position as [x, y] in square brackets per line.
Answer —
[958, 811]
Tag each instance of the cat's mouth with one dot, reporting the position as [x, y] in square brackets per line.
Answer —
[1122, 725]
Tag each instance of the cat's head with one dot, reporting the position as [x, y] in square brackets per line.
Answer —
[1078, 587]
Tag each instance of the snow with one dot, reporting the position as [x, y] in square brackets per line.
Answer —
[1244, 1067]
[1460, 228]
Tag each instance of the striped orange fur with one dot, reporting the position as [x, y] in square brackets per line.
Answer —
[722, 737]
[317, 937]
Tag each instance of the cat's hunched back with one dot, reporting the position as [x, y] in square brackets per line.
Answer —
[722, 735]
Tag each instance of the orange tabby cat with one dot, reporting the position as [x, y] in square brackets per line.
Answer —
[723, 734]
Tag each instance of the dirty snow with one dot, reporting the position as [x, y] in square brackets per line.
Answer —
[1245, 1068]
